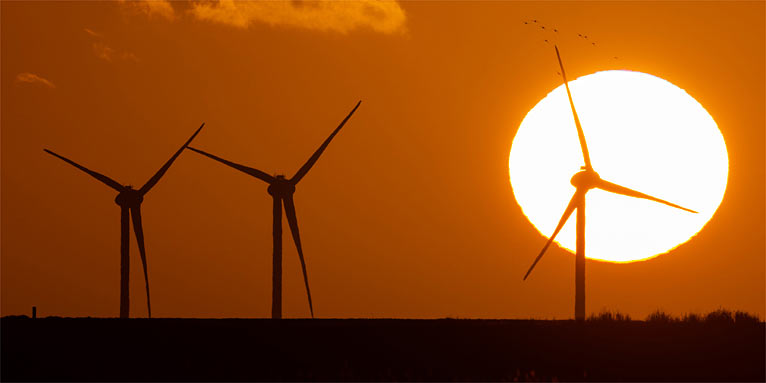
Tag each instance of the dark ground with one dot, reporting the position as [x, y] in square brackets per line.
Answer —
[85, 349]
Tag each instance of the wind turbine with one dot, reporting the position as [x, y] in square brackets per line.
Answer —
[281, 190]
[584, 180]
[129, 200]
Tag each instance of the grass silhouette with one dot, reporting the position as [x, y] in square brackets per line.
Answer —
[609, 316]
[719, 317]
[722, 345]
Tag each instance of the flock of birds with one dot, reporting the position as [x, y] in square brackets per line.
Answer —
[534, 23]
[550, 39]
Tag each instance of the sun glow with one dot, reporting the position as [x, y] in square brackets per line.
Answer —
[643, 133]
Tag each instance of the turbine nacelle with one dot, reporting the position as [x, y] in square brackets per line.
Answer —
[585, 179]
[281, 186]
[129, 197]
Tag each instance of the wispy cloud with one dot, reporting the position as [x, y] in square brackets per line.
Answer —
[31, 78]
[151, 8]
[128, 56]
[324, 15]
[105, 52]
[92, 33]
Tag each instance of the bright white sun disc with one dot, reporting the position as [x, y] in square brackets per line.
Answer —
[643, 133]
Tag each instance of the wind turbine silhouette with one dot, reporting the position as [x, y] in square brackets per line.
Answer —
[583, 181]
[281, 190]
[129, 200]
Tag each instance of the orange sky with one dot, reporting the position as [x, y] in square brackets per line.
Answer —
[409, 213]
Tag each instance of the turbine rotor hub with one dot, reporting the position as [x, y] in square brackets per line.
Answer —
[586, 179]
[129, 197]
[281, 186]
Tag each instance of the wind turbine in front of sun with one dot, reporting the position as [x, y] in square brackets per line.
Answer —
[583, 181]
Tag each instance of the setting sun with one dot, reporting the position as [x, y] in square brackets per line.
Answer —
[643, 133]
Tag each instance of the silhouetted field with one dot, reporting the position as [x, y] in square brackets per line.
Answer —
[89, 349]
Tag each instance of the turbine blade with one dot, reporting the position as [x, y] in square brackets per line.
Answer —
[245, 169]
[567, 213]
[580, 134]
[152, 181]
[138, 229]
[313, 159]
[617, 189]
[293, 221]
[106, 180]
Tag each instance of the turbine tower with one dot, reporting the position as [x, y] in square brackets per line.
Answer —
[584, 180]
[129, 200]
[281, 190]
